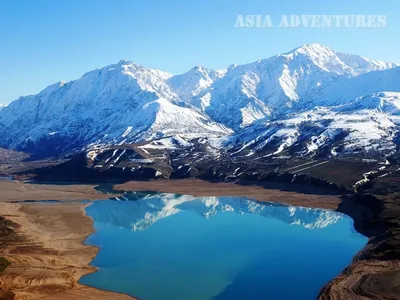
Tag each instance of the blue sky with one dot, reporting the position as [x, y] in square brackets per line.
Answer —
[45, 41]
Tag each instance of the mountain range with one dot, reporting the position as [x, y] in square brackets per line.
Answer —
[308, 101]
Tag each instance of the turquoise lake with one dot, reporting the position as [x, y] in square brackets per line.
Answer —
[158, 246]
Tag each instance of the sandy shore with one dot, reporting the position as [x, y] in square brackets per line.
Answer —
[19, 191]
[365, 280]
[46, 252]
[374, 273]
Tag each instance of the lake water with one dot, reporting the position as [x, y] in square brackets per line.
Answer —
[174, 247]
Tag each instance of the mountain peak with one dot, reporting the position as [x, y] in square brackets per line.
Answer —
[199, 68]
[310, 50]
[329, 59]
[127, 63]
[313, 47]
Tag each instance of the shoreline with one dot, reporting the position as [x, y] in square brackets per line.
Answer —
[357, 279]
[47, 254]
[375, 270]
[15, 191]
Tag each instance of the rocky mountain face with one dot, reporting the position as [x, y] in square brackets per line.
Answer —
[311, 101]
[366, 126]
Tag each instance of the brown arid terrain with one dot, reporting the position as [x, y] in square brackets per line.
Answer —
[43, 255]
[43, 245]
[375, 271]
[14, 161]
[20, 191]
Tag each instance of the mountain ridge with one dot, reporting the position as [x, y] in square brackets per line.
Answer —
[127, 103]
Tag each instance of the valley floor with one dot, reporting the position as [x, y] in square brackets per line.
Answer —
[44, 242]
[20, 191]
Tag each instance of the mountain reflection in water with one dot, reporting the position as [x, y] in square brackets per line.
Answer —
[158, 246]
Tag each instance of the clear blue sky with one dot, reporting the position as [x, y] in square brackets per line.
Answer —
[45, 41]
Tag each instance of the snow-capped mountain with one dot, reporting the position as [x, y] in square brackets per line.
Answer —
[362, 65]
[359, 115]
[147, 209]
[120, 103]
[345, 91]
[310, 97]
[194, 82]
[370, 124]
[240, 95]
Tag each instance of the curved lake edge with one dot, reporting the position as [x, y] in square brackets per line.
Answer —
[377, 218]
[142, 196]
[96, 269]
[47, 240]
[379, 221]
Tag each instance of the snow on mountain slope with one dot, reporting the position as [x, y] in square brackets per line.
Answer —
[240, 95]
[116, 104]
[192, 83]
[345, 91]
[147, 209]
[125, 102]
[172, 142]
[368, 125]
[362, 65]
